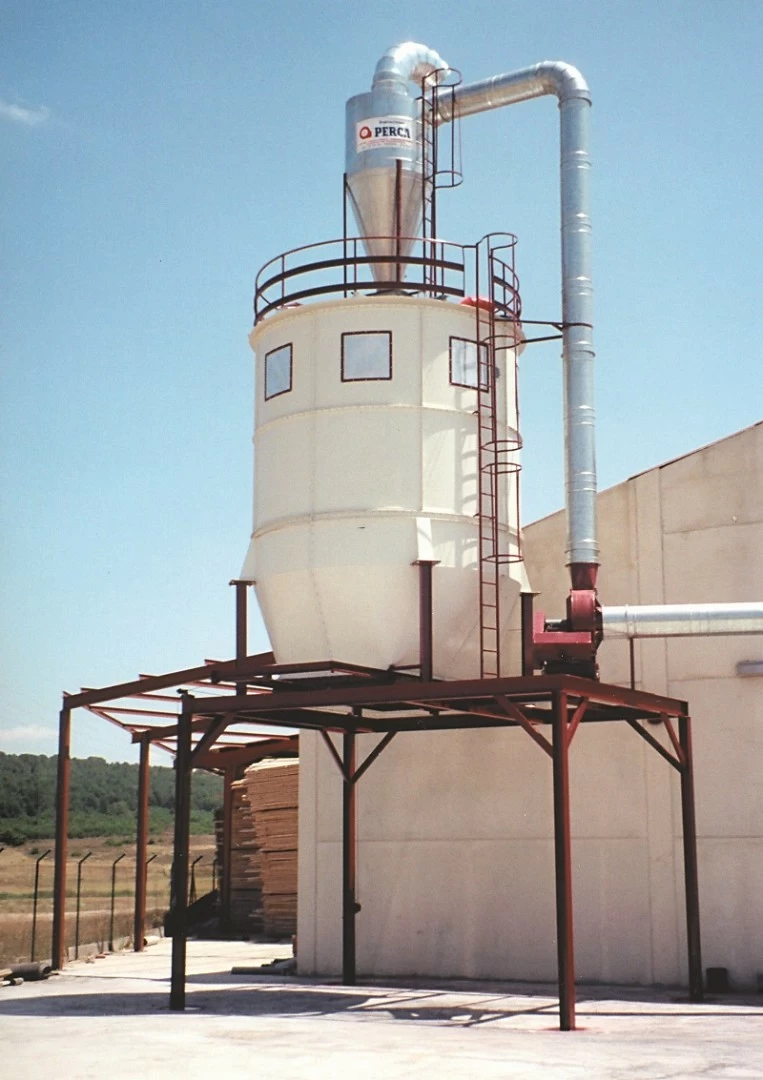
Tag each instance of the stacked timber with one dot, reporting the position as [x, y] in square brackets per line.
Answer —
[273, 796]
[246, 877]
[264, 850]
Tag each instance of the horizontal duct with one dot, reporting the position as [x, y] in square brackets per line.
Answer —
[682, 620]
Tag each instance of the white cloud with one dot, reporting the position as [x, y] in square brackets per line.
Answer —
[26, 733]
[28, 116]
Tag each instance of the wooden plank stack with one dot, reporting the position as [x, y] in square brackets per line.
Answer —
[273, 789]
[246, 878]
[264, 856]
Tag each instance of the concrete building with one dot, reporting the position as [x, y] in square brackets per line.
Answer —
[455, 855]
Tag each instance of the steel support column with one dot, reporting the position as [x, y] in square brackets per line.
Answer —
[141, 845]
[426, 652]
[179, 912]
[691, 880]
[349, 908]
[563, 865]
[62, 839]
[242, 620]
[226, 871]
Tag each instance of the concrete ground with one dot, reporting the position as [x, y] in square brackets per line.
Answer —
[110, 1019]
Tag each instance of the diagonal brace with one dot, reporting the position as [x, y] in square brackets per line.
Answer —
[334, 753]
[382, 745]
[575, 719]
[674, 739]
[516, 714]
[366, 764]
[675, 762]
[211, 735]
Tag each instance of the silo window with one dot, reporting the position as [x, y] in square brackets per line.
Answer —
[367, 355]
[278, 371]
[463, 363]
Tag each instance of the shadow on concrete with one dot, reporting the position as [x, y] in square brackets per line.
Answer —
[268, 998]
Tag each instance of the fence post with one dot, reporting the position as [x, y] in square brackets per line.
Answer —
[79, 889]
[192, 894]
[34, 907]
[113, 894]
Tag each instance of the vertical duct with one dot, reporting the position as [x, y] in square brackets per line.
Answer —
[571, 90]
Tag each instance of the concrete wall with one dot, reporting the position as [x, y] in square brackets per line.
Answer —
[454, 834]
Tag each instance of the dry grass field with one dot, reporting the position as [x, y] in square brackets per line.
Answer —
[17, 873]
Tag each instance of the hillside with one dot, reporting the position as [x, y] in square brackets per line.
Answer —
[103, 798]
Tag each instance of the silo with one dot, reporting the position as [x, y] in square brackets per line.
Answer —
[386, 419]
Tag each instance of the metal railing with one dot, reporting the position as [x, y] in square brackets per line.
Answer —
[439, 269]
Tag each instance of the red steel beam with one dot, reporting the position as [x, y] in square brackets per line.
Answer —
[575, 719]
[563, 866]
[534, 688]
[349, 866]
[179, 911]
[125, 711]
[170, 730]
[247, 755]
[241, 626]
[252, 664]
[62, 837]
[426, 646]
[691, 880]
[674, 739]
[511, 709]
[210, 736]
[141, 846]
[655, 744]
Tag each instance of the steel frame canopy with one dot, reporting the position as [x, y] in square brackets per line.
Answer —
[331, 697]
[150, 717]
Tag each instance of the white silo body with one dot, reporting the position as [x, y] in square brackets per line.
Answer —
[366, 460]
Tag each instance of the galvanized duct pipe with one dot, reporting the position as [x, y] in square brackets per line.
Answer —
[682, 620]
[569, 86]
[409, 62]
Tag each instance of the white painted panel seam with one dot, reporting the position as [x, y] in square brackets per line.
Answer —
[385, 406]
[390, 512]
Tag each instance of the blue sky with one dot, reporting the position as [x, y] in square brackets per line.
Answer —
[154, 155]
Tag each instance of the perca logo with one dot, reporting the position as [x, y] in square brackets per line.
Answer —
[392, 131]
[384, 131]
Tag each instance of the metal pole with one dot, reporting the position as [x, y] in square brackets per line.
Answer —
[563, 865]
[242, 620]
[58, 948]
[691, 880]
[425, 619]
[226, 872]
[113, 896]
[349, 907]
[141, 845]
[180, 860]
[34, 905]
[79, 892]
[527, 605]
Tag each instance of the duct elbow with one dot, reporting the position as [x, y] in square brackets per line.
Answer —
[407, 62]
[564, 80]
